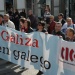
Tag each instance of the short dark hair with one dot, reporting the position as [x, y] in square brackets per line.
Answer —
[22, 20]
[59, 23]
[61, 14]
[42, 23]
[28, 21]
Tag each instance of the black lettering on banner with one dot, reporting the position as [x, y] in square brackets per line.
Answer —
[4, 50]
[47, 64]
[16, 54]
[34, 58]
[23, 56]
[41, 60]
[8, 51]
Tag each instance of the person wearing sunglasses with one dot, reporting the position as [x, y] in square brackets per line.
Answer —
[41, 27]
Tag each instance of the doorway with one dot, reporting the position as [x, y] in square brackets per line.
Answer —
[9, 4]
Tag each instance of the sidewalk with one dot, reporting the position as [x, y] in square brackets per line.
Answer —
[12, 69]
[2, 62]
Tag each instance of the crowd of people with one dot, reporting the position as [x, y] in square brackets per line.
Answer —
[65, 29]
[19, 21]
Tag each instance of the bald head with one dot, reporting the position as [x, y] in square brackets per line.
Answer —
[6, 17]
[69, 21]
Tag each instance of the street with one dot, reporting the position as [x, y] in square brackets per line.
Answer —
[7, 68]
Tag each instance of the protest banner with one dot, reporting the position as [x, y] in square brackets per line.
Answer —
[45, 52]
[28, 49]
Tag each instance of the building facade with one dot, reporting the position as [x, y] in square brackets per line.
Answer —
[67, 7]
[5, 5]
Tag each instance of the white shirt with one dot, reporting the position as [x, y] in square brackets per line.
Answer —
[9, 24]
[65, 26]
[60, 20]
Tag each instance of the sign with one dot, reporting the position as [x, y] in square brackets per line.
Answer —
[45, 52]
[66, 58]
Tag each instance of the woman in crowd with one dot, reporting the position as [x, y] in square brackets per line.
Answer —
[25, 25]
[41, 28]
[51, 25]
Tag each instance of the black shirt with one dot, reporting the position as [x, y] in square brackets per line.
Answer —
[59, 33]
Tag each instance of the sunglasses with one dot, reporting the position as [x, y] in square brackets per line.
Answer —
[39, 25]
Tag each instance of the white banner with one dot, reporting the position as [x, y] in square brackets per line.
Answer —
[45, 52]
[67, 57]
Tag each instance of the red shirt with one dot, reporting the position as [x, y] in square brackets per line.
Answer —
[51, 27]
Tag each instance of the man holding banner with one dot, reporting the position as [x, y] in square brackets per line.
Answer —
[58, 31]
